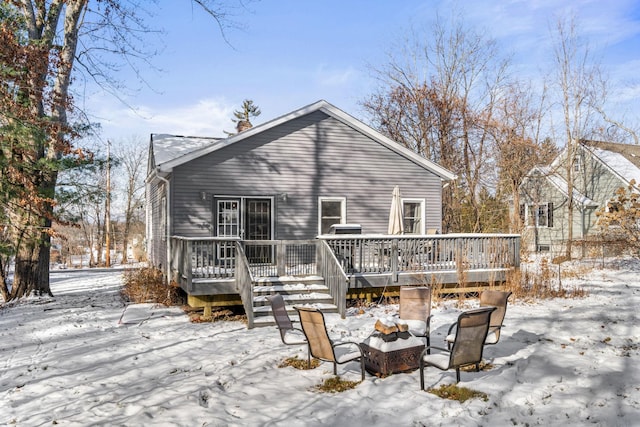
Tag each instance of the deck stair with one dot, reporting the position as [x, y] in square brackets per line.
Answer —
[296, 291]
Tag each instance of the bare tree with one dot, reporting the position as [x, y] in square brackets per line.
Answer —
[518, 144]
[575, 78]
[44, 44]
[438, 100]
[132, 157]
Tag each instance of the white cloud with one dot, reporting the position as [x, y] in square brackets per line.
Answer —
[327, 76]
[204, 117]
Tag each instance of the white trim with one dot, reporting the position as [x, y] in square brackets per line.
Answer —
[241, 212]
[330, 110]
[423, 215]
[343, 209]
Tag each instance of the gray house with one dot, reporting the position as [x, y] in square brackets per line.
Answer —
[290, 178]
[225, 216]
[598, 168]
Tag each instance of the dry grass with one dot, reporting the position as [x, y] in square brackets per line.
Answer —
[148, 284]
[484, 366]
[218, 314]
[336, 385]
[455, 392]
[545, 281]
[296, 363]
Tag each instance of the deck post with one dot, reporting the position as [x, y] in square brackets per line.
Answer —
[187, 267]
[281, 256]
[395, 253]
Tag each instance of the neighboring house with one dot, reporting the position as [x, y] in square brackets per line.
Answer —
[598, 169]
[290, 178]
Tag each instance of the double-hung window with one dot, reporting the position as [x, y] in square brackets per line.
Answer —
[332, 210]
[413, 216]
[540, 215]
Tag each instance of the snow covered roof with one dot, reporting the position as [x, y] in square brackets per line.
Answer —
[622, 159]
[170, 151]
[171, 147]
[563, 186]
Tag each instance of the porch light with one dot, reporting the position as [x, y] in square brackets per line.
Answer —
[203, 195]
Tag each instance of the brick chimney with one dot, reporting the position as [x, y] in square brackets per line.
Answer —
[243, 125]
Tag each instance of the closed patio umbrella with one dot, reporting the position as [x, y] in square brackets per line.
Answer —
[396, 215]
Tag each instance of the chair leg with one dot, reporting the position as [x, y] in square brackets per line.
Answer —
[335, 368]
[308, 357]
[428, 344]
[362, 367]
[457, 375]
[478, 367]
[421, 376]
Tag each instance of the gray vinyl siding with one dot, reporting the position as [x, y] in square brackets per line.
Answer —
[157, 245]
[309, 157]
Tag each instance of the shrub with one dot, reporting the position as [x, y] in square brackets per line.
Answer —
[148, 285]
[542, 282]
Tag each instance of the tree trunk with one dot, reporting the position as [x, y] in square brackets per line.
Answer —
[31, 275]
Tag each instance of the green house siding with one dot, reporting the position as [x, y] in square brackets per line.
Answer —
[594, 185]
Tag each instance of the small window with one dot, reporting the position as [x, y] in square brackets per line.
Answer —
[577, 163]
[413, 216]
[332, 210]
[540, 215]
[613, 206]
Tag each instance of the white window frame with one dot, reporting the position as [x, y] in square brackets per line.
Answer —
[423, 216]
[343, 209]
[577, 163]
[532, 215]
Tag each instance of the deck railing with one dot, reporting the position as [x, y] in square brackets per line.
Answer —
[334, 277]
[281, 257]
[202, 258]
[368, 254]
[244, 283]
[215, 258]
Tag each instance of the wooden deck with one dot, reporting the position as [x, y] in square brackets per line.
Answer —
[348, 264]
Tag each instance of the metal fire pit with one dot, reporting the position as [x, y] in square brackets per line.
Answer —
[388, 354]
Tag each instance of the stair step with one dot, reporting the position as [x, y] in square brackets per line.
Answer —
[297, 288]
[297, 298]
[262, 317]
[286, 279]
[322, 305]
[307, 291]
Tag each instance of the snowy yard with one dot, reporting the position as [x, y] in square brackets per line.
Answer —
[67, 361]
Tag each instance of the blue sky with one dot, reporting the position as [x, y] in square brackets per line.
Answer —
[292, 53]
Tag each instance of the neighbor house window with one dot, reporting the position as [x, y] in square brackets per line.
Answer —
[577, 163]
[541, 215]
[613, 206]
[332, 210]
[413, 216]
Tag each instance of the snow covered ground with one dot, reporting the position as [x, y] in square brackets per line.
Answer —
[69, 361]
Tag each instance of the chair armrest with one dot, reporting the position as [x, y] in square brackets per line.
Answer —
[336, 344]
[451, 328]
[433, 347]
[343, 343]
